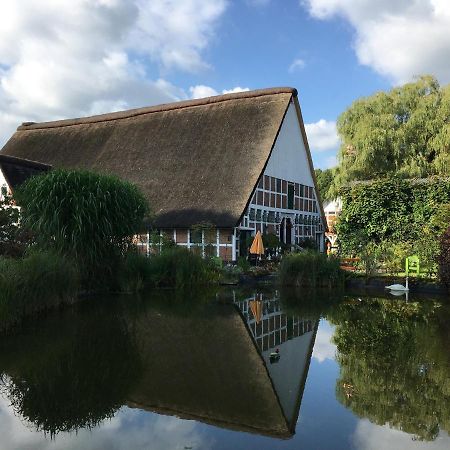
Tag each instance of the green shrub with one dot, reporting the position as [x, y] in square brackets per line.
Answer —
[34, 283]
[243, 264]
[174, 267]
[179, 267]
[88, 217]
[310, 269]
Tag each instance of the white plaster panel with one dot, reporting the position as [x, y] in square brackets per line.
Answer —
[288, 160]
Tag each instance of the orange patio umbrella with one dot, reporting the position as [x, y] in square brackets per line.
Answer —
[257, 247]
[256, 308]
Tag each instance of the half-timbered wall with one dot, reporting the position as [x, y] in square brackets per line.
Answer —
[286, 189]
[206, 242]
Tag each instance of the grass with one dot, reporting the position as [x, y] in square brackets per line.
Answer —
[34, 283]
[175, 267]
[310, 269]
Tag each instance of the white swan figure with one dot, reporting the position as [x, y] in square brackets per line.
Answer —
[399, 287]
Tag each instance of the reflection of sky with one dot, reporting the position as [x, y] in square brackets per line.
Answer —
[323, 347]
[323, 424]
[129, 429]
[368, 436]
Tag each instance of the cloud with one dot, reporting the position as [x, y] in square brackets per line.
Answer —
[235, 90]
[297, 64]
[129, 428]
[368, 436]
[322, 135]
[398, 39]
[96, 56]
[323, 347]
[201, 91]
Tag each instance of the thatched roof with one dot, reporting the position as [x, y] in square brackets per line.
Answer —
[195, 161]
[17, 170]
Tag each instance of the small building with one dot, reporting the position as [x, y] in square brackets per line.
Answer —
[332, 209]
[214, 170]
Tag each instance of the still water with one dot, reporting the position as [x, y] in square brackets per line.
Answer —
[201, 371]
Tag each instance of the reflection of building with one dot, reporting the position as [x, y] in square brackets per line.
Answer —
[332, 210]
[274, 327]
[234, 164]
[294, 338]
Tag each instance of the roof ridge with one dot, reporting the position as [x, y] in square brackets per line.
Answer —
[157, 108]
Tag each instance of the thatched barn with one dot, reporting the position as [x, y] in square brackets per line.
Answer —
[214, 170]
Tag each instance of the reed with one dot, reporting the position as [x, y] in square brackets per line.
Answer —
[34, 283]
[310, 269]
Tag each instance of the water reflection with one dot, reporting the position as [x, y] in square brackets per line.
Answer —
[379, 377]
[393, 366]
[286, 344]
[201, 363]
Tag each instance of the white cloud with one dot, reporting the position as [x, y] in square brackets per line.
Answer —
[235, 90]
[65, 59]
[322, 135]
[201, 91]
[399, 39]
[369, 436]
[129, 428]
[297, 64]
[323, 347]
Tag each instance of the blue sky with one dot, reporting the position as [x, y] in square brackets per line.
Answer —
[68, 58]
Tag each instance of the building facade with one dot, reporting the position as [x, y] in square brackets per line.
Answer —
[215, 171]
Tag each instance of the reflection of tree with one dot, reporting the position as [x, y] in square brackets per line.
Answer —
[394, 364]
[71, 375]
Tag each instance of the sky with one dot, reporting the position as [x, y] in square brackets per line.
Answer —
[71, 58]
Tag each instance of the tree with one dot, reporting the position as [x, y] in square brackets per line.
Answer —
[325, 183]
[88, 217]
[13, 238]
[405, 131]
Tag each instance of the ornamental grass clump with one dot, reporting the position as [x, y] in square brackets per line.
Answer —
[310, 269]
[88, 217]
[34, 283]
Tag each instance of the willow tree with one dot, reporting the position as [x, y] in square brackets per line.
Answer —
[405, 131]
[88, 217]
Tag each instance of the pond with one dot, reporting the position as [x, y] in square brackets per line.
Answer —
[241, 369]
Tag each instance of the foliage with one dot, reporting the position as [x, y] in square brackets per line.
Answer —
[34, 283]
[444, 259]
[175, 267]
[393, 364]
[69, 374]
[310, 269]
[85, 216]
[308, 244]
[394, 218]
[325, 185]
[13, 238]
[405, 132]
[243, 263]
[271, 241]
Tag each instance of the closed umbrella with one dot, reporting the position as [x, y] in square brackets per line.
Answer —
[257, 247]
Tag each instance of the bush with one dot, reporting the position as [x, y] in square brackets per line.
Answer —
[310, 269]
[36, 282]
[88, 217]
[444, 259]
[174, 267]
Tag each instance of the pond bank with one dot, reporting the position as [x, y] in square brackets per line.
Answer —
[378, 284]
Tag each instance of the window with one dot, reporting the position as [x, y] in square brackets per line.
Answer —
[196, 237]
[290, 198]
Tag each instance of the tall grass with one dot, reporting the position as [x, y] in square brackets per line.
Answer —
[310, 269]
[36, 282]
[174, 267]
